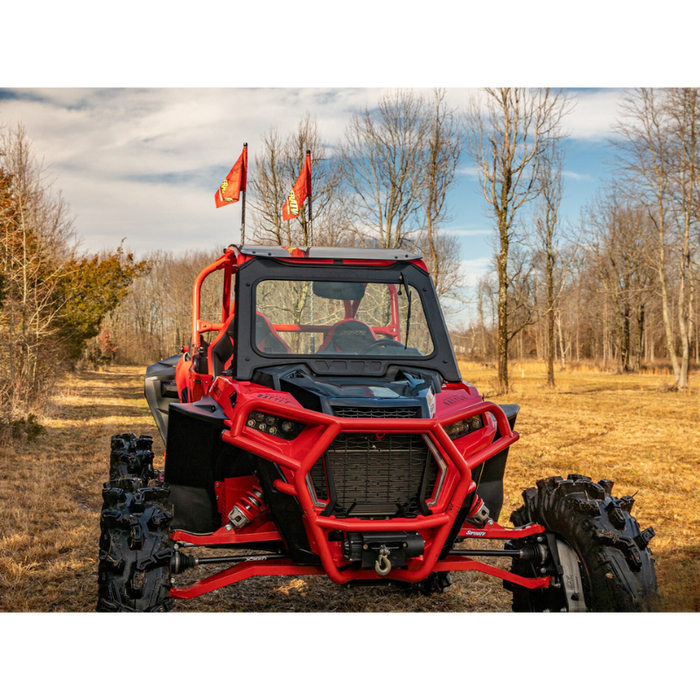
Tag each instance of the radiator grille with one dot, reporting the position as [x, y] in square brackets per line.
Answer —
[372, 412]
[377, 476]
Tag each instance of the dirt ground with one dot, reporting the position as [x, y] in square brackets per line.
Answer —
[629, 429]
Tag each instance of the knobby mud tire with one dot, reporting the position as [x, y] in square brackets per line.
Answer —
[135, 548]
[437, 582]
[617, 567]
[131, 457]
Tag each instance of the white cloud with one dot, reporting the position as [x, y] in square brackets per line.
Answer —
[579, 177]
[466, 233]
[473, 270]
[155, 131]
[593, 115]
[471, 172]
[144, 163]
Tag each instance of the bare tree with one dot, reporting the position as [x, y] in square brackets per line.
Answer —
[37, 241]
[507, 139]
[616, 235]
[52, 297]
[277, 167]
[684, 110]
[547, 230]
[268, 191]
[399, 163]
[433, 179]
[381, 155]
[658, 154]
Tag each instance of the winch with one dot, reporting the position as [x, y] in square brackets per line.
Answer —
[381, 550]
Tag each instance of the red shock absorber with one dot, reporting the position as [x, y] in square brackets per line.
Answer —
[247, 509]
[479, 513]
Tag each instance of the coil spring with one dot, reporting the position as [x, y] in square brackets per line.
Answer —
[248, 508]
[479, 513]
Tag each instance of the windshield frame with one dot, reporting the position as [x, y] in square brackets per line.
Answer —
[248, 358]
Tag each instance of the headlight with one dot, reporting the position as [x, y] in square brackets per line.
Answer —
[464, 427]
[274, 425]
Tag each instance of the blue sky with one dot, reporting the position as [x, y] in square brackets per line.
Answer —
[143, 164]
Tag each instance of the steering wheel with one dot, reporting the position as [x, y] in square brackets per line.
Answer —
[381, 343]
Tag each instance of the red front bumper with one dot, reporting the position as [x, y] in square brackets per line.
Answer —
[297, 457]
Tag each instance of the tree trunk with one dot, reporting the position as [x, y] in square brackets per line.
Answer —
[550, 315]
[503, 311]
[640, 337]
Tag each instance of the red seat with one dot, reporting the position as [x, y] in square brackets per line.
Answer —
[267, 339]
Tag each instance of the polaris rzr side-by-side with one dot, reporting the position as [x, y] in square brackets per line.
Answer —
[321, 426]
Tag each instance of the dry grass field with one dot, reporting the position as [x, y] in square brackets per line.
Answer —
[630, 429]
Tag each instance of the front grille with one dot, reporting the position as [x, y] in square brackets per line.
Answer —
[376, 476]
[377, 412]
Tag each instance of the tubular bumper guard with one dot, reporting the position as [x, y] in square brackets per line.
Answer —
[297, 457]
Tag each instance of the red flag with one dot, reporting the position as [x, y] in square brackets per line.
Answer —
[235, 182]
[301, 190]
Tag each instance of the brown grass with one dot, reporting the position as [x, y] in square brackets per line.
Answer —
[626, 428]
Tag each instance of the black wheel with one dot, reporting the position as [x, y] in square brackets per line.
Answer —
[135, 548]
[604, 555]
[131, 456]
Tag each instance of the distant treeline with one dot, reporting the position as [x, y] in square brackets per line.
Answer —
[620, 329]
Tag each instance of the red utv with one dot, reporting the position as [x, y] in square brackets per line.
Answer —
[321, 426]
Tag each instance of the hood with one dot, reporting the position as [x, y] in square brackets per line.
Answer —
[403, 392]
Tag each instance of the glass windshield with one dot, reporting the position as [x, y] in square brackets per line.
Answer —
[301, 317]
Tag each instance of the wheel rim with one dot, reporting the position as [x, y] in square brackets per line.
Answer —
[571, 578]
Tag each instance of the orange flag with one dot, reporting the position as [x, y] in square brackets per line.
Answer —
[301, 190]
[235, 182]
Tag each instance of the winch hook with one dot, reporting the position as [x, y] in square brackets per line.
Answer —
[383, 566]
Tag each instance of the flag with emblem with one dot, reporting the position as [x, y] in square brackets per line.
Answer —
[301, 190]
[235, 182]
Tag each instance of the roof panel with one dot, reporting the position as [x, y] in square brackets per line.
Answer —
[328, 253]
